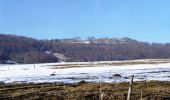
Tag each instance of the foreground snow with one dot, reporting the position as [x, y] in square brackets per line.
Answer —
[42, 73]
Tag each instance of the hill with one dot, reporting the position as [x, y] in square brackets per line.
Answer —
[22, 49]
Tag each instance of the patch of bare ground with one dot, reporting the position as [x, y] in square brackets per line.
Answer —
[110, 63]
[153, 90]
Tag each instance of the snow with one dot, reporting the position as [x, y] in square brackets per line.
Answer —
[41, 73]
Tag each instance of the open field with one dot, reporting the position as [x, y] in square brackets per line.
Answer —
[86, 80]
[153, 90]
[72, 72]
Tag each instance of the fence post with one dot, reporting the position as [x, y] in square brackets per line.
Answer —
[141, 96]
[130, 87]
[101, 94]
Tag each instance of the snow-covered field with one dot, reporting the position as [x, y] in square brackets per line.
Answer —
[42, 73]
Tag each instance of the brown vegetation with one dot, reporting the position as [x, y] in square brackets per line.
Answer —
[153, 90]
[110, 63]
[27, 50]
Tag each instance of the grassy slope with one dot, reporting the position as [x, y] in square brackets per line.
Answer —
[153, 90]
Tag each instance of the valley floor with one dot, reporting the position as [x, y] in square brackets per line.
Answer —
[73, 72]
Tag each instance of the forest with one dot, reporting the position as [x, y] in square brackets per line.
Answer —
[21, 49]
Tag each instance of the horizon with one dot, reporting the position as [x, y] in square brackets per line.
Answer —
[85, 38]
[146, 21]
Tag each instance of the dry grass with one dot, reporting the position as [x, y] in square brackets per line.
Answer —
[110, 63]
[153, 90]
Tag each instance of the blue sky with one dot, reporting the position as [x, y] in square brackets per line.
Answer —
[144, 20]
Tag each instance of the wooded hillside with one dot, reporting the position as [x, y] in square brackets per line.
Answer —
[28, 50]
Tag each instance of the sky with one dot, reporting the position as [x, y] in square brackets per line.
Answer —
[143, 20]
